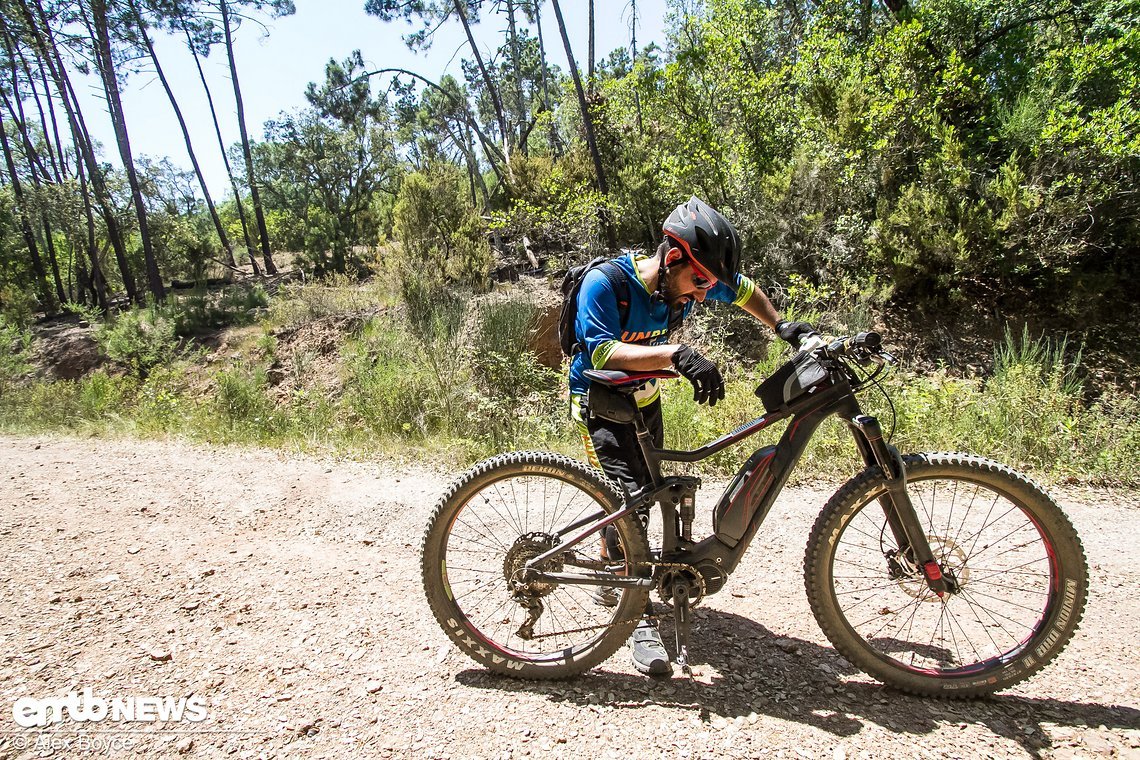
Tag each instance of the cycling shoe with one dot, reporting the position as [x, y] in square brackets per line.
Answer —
[649, 655]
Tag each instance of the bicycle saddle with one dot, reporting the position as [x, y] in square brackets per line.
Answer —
[616, 378]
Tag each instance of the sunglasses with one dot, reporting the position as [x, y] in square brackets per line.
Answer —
[700, 280]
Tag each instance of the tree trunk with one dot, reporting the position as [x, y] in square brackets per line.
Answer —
[590, 47]
[98, 280]
[106, 66]
[633, 59]
[555, 142]
[250, 248]
[516, 64]
[21, 121]
[492, 90]
[57, 175]
[258, 211]
[26, 224]
[587, 124]
[633, 31]
[54, 123]
[42, 37]
[225, 241]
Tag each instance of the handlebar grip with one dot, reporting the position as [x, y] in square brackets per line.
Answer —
[870, 341]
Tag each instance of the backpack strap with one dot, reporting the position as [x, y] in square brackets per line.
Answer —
[620, 284]
[619, 281]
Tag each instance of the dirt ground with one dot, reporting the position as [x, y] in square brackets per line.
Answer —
[283, 592]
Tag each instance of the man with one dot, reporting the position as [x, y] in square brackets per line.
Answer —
[698, 259]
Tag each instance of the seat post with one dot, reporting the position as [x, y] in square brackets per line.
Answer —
[648, 450]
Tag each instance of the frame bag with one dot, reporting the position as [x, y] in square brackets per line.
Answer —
[799, 376]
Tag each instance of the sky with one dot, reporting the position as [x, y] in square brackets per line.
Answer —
[274, 70]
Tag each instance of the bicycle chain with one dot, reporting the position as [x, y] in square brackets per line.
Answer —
[653, 618]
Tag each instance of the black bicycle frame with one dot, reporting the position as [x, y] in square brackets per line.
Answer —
[750, 495]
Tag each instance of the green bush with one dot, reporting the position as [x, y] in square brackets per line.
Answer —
[17, 305]
[100, 396]
[139, 339]
[203, 311]
[15, 343]
[163, 403]
[440, 236]
[243, 408]
[389, 390]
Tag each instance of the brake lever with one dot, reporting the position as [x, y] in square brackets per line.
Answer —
[812, 342]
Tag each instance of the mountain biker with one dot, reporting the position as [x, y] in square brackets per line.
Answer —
[698, 259]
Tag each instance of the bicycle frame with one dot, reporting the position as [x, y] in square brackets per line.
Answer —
[753, 491]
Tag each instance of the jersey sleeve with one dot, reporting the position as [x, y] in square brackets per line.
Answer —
[598, 324]
[737, 293]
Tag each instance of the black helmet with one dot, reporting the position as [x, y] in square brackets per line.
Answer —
[705, 236]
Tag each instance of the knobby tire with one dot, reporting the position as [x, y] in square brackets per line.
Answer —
[501, 512]
[1020, 565]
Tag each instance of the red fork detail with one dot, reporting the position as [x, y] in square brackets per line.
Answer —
[934, 575]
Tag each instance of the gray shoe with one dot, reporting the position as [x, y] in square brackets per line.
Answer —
[649, 655]
[605, 596]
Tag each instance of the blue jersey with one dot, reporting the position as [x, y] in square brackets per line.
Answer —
[599, 327]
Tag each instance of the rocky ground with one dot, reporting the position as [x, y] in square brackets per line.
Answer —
[283, 593]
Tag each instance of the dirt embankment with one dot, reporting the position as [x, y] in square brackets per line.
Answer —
[283, 592]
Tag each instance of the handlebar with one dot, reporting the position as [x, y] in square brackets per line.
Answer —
[864, 348]
[864, 342]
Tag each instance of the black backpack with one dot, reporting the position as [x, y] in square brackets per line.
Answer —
[572, 283]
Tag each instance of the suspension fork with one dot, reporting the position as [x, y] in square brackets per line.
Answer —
[902, 518]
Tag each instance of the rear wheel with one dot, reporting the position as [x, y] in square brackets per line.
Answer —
[1014, 562]
[499, 515]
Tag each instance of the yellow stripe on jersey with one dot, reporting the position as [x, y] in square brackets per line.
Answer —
[744, 291]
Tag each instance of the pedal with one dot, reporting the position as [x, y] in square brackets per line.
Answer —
[681, 617]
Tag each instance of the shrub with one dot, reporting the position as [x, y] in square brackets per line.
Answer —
[100, 396]
[139, 339]
[243, 408]
[203, 311]
[388, 390]
[441, 236]
[15, 343]
[296, 303]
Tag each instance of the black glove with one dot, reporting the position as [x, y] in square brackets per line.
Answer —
[794, 332]
[708, 385]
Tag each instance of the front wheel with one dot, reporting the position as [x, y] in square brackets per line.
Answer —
[1011, 557]
[500, 515]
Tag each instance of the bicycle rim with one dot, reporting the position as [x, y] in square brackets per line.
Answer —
[990, 544]
[498, 527]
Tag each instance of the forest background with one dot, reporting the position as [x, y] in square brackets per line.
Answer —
[961, 175]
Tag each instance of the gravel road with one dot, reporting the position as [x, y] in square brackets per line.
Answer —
[278, 596]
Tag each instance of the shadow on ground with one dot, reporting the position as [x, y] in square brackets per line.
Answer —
[744, 668]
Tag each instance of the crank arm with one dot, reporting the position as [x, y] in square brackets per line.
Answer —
[681, 619]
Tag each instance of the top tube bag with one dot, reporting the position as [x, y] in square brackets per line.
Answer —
[797, 377]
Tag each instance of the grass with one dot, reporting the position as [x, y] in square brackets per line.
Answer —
[457, 385]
